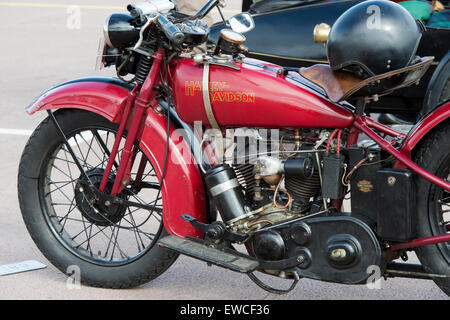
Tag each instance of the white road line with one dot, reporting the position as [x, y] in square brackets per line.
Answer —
[16, 132]
[56, 5]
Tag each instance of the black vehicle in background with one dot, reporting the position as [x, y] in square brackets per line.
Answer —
[284, 35]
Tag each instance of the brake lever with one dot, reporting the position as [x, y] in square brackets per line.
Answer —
[216, 230]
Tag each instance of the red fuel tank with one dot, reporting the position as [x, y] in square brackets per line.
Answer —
[253, 96]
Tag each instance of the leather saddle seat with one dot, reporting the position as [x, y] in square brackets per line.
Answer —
[342, 85]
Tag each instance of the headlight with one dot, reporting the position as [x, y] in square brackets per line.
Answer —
[119, 31]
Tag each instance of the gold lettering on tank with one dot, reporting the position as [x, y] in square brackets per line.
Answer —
[219, 91]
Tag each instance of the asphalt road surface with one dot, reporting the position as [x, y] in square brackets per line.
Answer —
[43, 44]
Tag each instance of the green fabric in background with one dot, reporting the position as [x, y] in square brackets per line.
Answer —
[440, 19]
[420, 10]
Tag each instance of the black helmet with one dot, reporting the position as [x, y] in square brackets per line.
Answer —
[372, 38]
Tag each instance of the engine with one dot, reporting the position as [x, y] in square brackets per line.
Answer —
[268, 187]
[276, 198]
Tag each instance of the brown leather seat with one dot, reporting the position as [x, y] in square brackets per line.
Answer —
[335, 83]
[341, 85]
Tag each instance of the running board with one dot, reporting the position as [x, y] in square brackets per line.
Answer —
[225, 258]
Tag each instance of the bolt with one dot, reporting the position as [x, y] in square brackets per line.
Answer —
[107, 203]
[300, 259]
[198, 58]
[391, 181]
[338, 253]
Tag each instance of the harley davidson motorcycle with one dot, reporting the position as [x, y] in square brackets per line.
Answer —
[126, 174]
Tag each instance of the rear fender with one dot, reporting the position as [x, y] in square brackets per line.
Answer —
[436, 84]
[424, 128]
[183, 190]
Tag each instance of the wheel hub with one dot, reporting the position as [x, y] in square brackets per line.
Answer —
[98, 212]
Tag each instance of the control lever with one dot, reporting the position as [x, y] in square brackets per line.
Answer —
[216, 230]
[171, 31]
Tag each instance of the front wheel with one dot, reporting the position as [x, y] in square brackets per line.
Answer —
[433, 204]
[114, 246]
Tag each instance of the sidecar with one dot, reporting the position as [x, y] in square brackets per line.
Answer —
[284, 35]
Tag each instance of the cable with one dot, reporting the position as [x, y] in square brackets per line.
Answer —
[346, 181]
[265, 287]
[329, 140]
[275, 196]
[339, 141]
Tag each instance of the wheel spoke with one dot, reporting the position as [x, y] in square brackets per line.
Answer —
[58, 188]
[136, 235]
[102, 144]
[124, 234]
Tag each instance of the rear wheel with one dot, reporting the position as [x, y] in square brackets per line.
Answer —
[113, 246]
[433, 205]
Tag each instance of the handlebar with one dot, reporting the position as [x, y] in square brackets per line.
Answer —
[142, 12]
[207, 8]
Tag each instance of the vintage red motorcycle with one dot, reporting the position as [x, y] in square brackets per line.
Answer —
[126, 174]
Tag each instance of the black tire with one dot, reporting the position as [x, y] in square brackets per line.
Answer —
[128, 267]
[438, 90]
[445, 95]
[433, 220]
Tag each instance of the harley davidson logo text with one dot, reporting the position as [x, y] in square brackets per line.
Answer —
[365, 186]
[219, 91]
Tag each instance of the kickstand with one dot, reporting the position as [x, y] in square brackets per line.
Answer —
[265, 287]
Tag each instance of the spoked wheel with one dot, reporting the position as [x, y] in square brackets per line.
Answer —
[113, 244]
[433, 205]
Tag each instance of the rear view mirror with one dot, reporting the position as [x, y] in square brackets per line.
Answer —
[241, 23]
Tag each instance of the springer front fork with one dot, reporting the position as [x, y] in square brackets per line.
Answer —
[133, 115]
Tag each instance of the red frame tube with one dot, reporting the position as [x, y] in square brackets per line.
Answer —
[382, 128]
[123, 124]
[139, 105]
[122, 177]
[420, 242]
[362, 125]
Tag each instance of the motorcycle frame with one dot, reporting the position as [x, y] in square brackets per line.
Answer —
[140, 102]
[363, 124]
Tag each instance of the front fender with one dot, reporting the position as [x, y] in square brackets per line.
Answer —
[424, 127]
[104, 96]
[182, 190]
